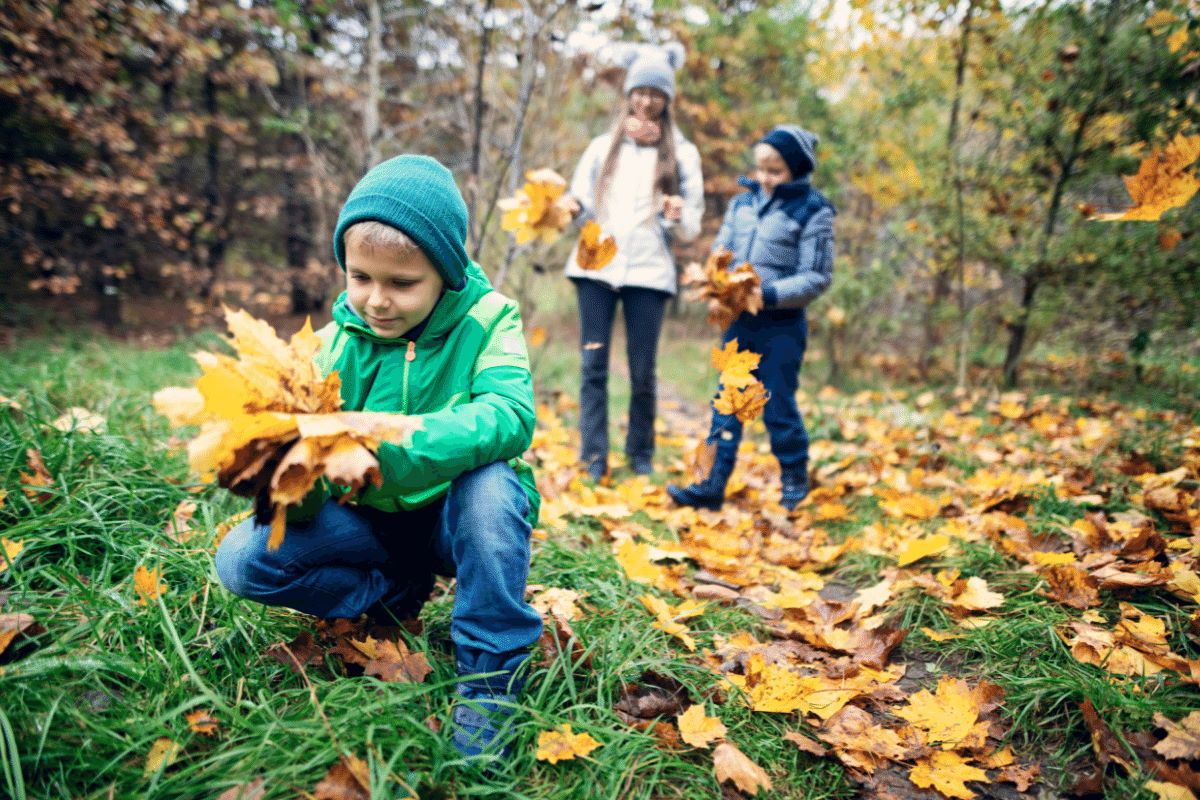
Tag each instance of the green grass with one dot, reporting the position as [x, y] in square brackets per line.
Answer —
[82, 703]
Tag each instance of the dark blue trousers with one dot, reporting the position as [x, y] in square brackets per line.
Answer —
[780, 337]
[643, 311]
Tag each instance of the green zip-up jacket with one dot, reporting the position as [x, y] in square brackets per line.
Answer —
[466, 375]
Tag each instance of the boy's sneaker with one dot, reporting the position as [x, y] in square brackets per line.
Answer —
[482, 721]
[698, 495]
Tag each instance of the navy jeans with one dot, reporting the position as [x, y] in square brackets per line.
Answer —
[643, 311]
[350, 559]
[780, 337]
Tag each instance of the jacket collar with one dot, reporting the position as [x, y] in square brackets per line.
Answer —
[784, 191]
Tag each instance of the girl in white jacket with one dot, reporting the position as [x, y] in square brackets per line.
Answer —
[642, 183]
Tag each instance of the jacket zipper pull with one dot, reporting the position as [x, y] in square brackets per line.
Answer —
[411, 355]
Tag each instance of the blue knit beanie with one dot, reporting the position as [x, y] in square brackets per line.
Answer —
[417, 195]
[797, 146]
[653, 67]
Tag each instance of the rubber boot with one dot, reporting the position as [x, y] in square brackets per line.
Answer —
[710, 492]
[795, 485]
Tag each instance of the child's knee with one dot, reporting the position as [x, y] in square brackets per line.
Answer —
[491, 507]
[241, 560]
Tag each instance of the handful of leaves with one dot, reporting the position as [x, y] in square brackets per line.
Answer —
[538, 209]
[270, 424]
[727, 292]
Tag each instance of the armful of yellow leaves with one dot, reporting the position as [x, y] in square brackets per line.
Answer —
[270, 424]
[1163, 181]
[727, 292]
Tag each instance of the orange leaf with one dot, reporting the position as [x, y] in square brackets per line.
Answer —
[202, 722]
[728, 293]
[735, 365]
[148, 584]
[348, 779]
[594, 252]
[946, 772]
[745, 403]
[1163, 181]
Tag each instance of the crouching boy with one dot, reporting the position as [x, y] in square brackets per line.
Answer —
[420, 331]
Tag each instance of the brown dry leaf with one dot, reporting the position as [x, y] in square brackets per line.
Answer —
[13, 625]
[698, 461]
[948, 773]
[1107, 745]
[1071, 586]
[1163, 181]
[179, 528]
[728, 293]
[861, 743]
[202, 722]
[805, 744]
[563, 745]
[148, 584]
[1183, 737]
[537, 209]
[592, 251]
[303, 651]
[38, 477]
[348, 779]
[254, 790]
[731, 764]
[699, 730]
[163, 754]
[392, 661]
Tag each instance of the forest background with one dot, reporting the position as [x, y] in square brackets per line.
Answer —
[157, 157]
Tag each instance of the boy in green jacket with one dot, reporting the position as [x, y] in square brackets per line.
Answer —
[420, 331]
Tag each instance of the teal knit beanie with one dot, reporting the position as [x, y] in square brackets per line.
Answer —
[418, 196]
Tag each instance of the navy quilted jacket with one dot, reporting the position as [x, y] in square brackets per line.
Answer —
[787, 237]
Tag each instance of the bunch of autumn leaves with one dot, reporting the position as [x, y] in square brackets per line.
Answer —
[271, 424]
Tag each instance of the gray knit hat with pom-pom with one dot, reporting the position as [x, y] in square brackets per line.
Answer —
[653, 67]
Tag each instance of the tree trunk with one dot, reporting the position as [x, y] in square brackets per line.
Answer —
[485, 41]
[374, 83]
[212, 189]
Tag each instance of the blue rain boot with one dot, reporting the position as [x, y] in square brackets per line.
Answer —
[795, 485]
[710, 492]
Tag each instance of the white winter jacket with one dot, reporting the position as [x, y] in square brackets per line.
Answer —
[633, 212]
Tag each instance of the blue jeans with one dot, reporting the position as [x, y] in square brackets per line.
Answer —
[780, 337]
[643, 311]
[350, 559]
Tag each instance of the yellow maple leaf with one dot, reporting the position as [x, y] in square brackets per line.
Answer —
[1163, 181]
[561, 603]
[536, 210]
[634, 558]
[947, 772]
[699, 730]
[148, 584]
[163, 754]
[562, 745]
[731, 764]
[946, 718]
[976, 596]
[924, 547]
[592, 251]
[668, 618]
[735, 365]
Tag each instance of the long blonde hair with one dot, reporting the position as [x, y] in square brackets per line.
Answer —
[666, 172]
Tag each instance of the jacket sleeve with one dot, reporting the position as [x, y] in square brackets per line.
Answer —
[691, 189]
[582, 186]
[495, 424]
[814, 267]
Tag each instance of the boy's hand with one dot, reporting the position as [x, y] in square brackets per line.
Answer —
[672, 208]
